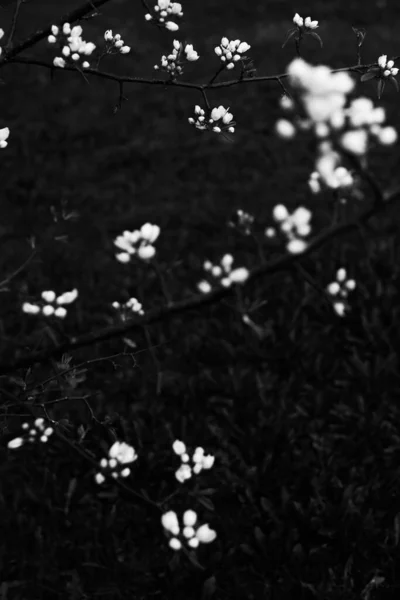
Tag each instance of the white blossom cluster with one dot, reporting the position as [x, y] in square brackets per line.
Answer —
[4, 133]
[200, 461]
[53, 305]
[230, 52]
[220, 119]
[242, 221]
[307, 23]
[193, 537]
[293, 226]
[119, 455]
[38, 428]
[339, 289]
[74, 49]
[323, 96]
[172, 63]
[223, 273]
[131, 306]
[115, 43]
[138, 242]
[387, 66]
[165, 9]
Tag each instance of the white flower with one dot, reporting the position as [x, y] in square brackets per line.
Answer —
[184, 472]
[382, 60]
[387, 136]
[52, 39]
[122, 452]
[175, 544]
[60, 312]
[150, 232]
[310, 24]
[4, 133]
[67, 297]
[125, 49]
[146, 252]
[48, 310]
[171, 26]
[179, 447]
[30, 309]
[341, 274]
[204, 287]
[169, 521]
[239, 275]
[333, 288]
[54, 30]
[355, 141]
[59, 62]
[296, 246]
[205, 535]
[280, 212]
[108, 35]
[285, 129]
[123, 257]
[48, 296]
[227, 262]
[298, 20]
[340, 308]
[66, 29]
[15, 443]
[189, 518]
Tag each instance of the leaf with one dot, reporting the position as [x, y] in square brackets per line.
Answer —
[380, 88]
[192, 557]
[206, 503]
[316, 36]
[289, 36]
[209, 588]
[367, 76]
[360, 33]
[394, 82]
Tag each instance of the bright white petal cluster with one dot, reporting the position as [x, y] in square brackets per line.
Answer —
[223, 273]
[73, 47]
[115, 44]
[220, 119]
[163, 11]
[327, 172]
[131, 306]
[188, 534]
[51, 305]
[173, 62]
[199, 459]
[119, 455]
[4, 133]
[307, 23]
[365, 121]
[139, 242]
[38, 428]
[387, 66]
[339, 289]
[1, 36]
[230, 52]
[293, 226]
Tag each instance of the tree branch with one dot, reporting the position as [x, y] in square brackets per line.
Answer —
[199, 301]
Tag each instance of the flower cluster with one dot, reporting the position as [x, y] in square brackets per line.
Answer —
[119, 455]
[219, 120]
[163, 10]
[131, 306]
[307, 23]
[365, 121]
[52, 305]
[340, 289]
[115, 44]
[189, 534]
[231, 52]
[172, 63]
[387, 66]
[242, 221]
[138, 242]
[74, 49]
[294, 227]
[200, 461]
[4, 133]
[38, 427]
[223, 272]
[336, 177]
